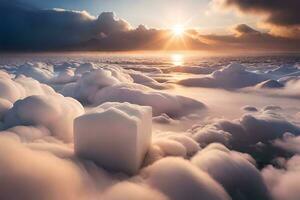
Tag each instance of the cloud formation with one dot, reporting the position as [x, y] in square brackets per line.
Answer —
[179, 179]
[133, 192]
[24, 172]
[247, 38]
[281, 17]
[236, 174]
[232, 76]
[60, 29]
[283, 183]
[114, 84]
[54, 112]
[278, 12]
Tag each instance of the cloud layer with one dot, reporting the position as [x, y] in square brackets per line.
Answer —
[113, 127]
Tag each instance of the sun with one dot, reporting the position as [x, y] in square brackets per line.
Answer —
[178, 30]
[177, 37]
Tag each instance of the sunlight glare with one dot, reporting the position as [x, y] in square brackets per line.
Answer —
[178, 30]
[177, 59]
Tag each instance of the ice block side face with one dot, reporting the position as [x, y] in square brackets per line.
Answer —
[115, 136]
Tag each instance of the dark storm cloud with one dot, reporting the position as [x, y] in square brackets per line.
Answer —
[279, 12]
[25, 27]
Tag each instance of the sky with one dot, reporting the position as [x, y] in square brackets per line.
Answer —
[211, 25]
[157, 13]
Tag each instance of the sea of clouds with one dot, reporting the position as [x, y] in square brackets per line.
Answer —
[126, 127]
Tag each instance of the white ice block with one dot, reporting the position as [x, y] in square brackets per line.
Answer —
[116, 136]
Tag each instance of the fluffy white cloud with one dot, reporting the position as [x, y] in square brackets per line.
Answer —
[290, 90]
[287, 86]
[210, 134]
[289, 142]
[284, 183]
[90, 83]
[166, 144]
[38, 71]
[112, 84]
[143, 79]
[85, 67]
[127, 190]
[179, 179]
[21, 87]
[64, 76]
[24, 172]
[52, 111]
[27, 134]
[251, 128]
[236, 174]
[164, 119]
[172, 105]
[232, 76]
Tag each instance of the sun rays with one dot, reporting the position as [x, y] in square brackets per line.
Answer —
[177, 35]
